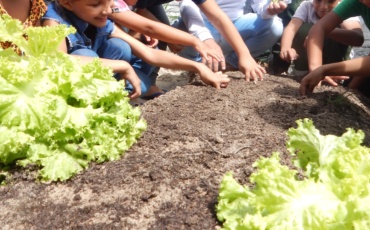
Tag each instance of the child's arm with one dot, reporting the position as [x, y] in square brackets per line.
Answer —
[349, 34]
[193, 20]
[316, 36]
[118, 66]
[287, 53]
[354, 67]
[165, 33]
[247, 65]
[171, 61]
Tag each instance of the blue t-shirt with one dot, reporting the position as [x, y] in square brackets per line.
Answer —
[79, 40]
[142, 4]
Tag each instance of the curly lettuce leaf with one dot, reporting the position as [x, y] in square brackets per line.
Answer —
[278, 200]
[13, 144]
[333, 195]
[60, 115]
[11, 30]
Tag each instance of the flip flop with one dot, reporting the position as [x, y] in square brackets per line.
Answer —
[154, 95]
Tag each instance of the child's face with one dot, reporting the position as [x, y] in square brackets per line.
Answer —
[94, 12]
[322, 7]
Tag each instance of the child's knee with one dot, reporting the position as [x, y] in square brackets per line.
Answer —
[85, 52]
[277, 27]
[117, 49]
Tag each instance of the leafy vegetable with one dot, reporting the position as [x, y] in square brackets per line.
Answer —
[56, 113]
[334, 193]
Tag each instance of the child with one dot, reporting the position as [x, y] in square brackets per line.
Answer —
[356, 67]
[97, 35]
[163, 32]
[259, 31]
[137, 23]
[335, 48]
[246, 64]
[30, 14]
[93, 40]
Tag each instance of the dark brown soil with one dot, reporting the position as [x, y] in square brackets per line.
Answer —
[170, 178]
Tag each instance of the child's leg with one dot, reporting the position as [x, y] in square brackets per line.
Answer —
[335, 52]
[258, 34]
[117, 49]
[159, 12]
[357, 82]
[85, 52]
[146, 75]
[360, 82]
[188, 52]
[365, 86]
[301, 64]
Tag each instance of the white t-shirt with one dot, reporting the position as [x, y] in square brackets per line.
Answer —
[307, 14]
[193, 17]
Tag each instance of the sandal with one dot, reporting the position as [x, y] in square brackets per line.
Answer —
[154, 95]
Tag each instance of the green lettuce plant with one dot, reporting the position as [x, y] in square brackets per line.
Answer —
[57, 113]
[334, 193]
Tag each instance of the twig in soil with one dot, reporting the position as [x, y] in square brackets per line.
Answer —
[214, 150]
[242, 148]
[287, 96]
[135, 162]
[320, 114]
[186, 155]
[209, 184]
[235, 77]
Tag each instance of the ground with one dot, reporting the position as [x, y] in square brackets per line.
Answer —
[170, 178]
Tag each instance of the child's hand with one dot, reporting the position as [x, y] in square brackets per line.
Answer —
[333, 80]
[251, 69]
[288, 54]
[217, 80]
[310, 81]
[137, 90]
[214, 63]
[175, 48]
[212, 55]
[276, 7]
[149, 41]
[131, 76]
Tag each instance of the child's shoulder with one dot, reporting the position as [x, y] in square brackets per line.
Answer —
[305, 7]
[38, 8]
[54, 13]
[306, 3]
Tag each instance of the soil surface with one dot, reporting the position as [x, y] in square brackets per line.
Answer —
[170, 178]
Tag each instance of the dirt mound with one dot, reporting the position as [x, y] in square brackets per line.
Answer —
[170, 178]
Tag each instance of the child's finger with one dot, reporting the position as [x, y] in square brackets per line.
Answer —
[215, 64]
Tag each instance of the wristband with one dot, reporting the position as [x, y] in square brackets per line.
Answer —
[116, 10]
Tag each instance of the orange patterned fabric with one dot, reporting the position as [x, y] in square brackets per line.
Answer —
[38, 9]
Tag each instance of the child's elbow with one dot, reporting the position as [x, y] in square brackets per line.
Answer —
[359, 41]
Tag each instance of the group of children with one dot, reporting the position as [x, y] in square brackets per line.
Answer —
[124, 35]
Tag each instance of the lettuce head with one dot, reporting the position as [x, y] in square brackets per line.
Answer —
[56, 113]
[333, 193]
